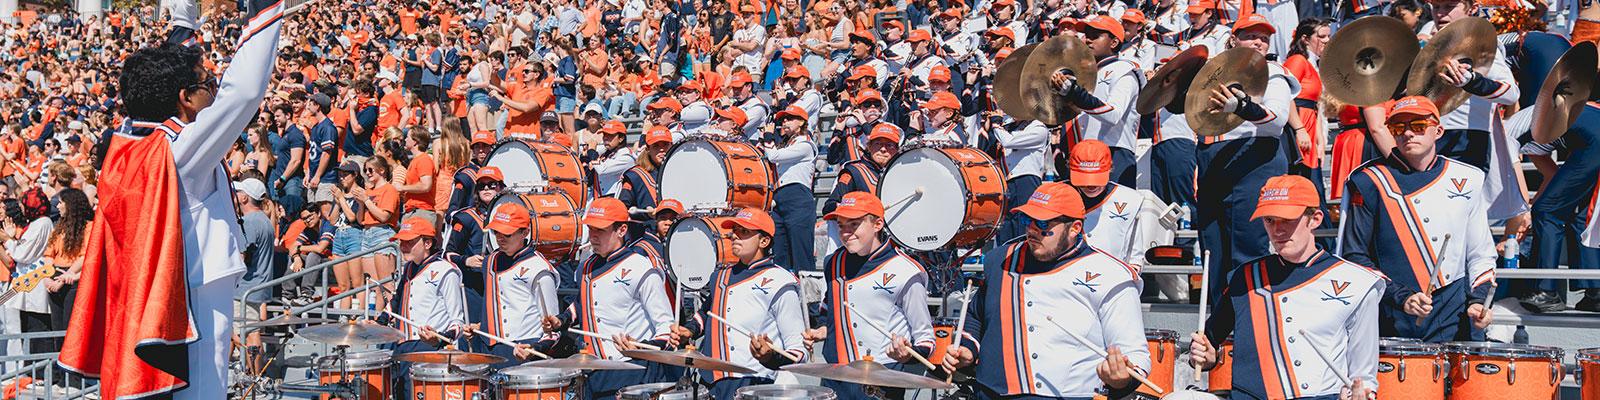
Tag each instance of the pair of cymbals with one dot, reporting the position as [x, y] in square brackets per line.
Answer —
[1367, 61]
[1022, 84]
[1566, 89]
[1239, 68]
[1469, 41]
[1170, 83]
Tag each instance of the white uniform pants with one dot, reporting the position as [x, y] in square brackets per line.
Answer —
[212, 305]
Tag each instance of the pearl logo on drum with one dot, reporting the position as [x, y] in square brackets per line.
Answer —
[1488, 369]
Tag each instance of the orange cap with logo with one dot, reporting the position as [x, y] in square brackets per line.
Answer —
[1287, 197]
[1053, 200]
[856, 205]
[752, 218]
[604, 212]
[508, 218]
[1090, 163]
[413, 228]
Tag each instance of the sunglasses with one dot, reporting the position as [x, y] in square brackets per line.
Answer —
[210, 83]
[1413, 126]
[491, 186]
[1044, 224]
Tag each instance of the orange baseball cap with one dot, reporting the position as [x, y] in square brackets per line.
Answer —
[1199, 6]
[939, 73]
[509, 217]
[856, 205]
[863, 71]
[739, 79]
[798, 71]
[863, 35]
[793, 111]
[613, 128]
[919, 35]
[669, 205]
[1133, 16]
[1004, 31]
[951, 13]
[869, 94]
[752, 218]
[691, 85]
[657, 134]
[734, 114]
[483, 137]
[1286, 196]
[1090, 163]
[749, 8]
[791, 54]
[1053, 200]
[894, 23]
[1414, 105]
[604, 212]
[665, 103]
[415, 227]
[490, 172]
[1253, 21]
[1107, 24]
[886, 131]
[942, 99]
[1000, 55]
[1003, 3]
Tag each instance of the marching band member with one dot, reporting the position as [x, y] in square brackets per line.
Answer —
[845, 146]
[862, 175]
[1111, 221]
[641, 185]
[519, 288]
[1138, 47]
[666, 214]
[1469, 128]
[464, 241]
[960, 45]
[696, 113]
[664, 112]
[794, 203]
[1107, 111]
[1231, 166]
[1204, 28]
[619, 295]
[1414, 217]
[874, 277]
[1558, 212]
[942, 119]
[758, 295]
[741, 88]
[1169, 18]
[616, 157]
[429, 295]
[1024, 143]
[923, 58]
[1003, 15]
[1053, 273]
[463, 192]
[1284, 308]
[801, 92]
[863, 52]
[729, 121]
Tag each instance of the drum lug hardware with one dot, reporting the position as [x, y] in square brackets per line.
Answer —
[1402, 369]
[1556, 373]
[986, 195]
[1438, 368]
[1511, 372]
[1466, 372]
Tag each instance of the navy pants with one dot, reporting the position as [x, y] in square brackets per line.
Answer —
[1172, 171]
[725, 388]
[1018, 190]
[1124, 167]
[796, 215]
[1558, 213]
[1447, 323]
[1464, 145]
[1231, 174]
[852, 391]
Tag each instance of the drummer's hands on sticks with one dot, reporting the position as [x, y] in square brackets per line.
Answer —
[901, 350]
[1357, 391]
[552, 324]
[429, 335]
[1419, 305]
[523, 352]
[1201, 352]
[957, 357]
[761, 347]
[1116, 370]
[1481, 316]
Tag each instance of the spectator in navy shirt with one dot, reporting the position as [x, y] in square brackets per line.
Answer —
[357, 142]
[323, 156]
[288, 173]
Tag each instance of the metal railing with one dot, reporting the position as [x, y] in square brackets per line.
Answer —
[322, 288]
[40, 369]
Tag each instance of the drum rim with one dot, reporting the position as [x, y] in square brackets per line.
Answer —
[667, 243]
[358, 360]
[810, 391]
[1388, 346]
[516, 381]
[656, 386]
[1591, 354]
[962, 182]
[771, 181]
[1503, 350]
[437, 372]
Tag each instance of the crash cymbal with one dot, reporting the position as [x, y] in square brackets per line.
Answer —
[285, 321]
[867, 372]
[585, 361]
[1564, 93]
[450, 357]
[1239, 67]
[687, 358]
[1471, 41]
[1007, 79]
[1365, 61]
[351, 334]
[1171, 81]
[1061, 52]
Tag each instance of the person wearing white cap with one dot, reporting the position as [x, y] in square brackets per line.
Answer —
[259, 242]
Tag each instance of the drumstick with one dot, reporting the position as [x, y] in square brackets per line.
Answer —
[961, 325]
[635, 343]
[1205, 297]
[1429, 290]
[747, 334]
[914, 194]
[1325, 360]
[885, 332]
[504, 341]
[1097, 350]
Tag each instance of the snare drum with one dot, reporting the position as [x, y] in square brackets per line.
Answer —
[944, 336]
[660, 391]
[1163, 360]
[1220, 381]
[430, 381]
[1410, 369]
[961, 202]
[1484, 370]
[554, 221]
[532, 164]
[784, 392]
[526, 382]
[372, 367]
[709, 172]
[697, 244]
[1588, 373]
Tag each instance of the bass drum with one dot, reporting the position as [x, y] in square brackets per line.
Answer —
[698, 166]
[528, 165]
[697, 245]
[554, 229]
[940, 196]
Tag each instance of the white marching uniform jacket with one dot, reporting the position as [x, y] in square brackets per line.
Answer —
[763, 299]
[432, 296]
[1278, 100]
[1117, 85]
[756, 113]
[1214, 38]
[1124, 224]
[621, 294]
[794, 162]
[694, 116]
[519, 291]
[1479, 113]
[608, 171]
[1418, 226]
[1171, 126]
[886, 286]
[1025, 148]
[1020, 352]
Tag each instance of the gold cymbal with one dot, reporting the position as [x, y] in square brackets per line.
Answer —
[1564, 93]
[1007, 89]
[1366, 60]
[1065, 52]
[1171, 82]
[1471, 41]
[1239, 67]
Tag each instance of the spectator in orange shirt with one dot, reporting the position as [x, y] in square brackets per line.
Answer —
[391, 108]
[380, 205]
[526, 100]
[418, 185]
